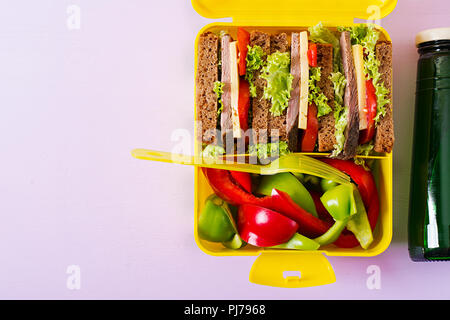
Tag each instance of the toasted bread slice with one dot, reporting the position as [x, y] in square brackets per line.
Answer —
[206, 98]
[260, 106]
[326, 139]
[384, 135]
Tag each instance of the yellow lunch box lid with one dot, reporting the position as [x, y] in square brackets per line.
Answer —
[287, 11]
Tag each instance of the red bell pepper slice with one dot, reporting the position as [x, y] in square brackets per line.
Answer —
[243, 179]
[312, 55]
[369, 194]
[321, 210]
[366, 135]
[224, 186]
[309, 225]
[263, 227]
[309, 137]
[243, 103]
[243, 39]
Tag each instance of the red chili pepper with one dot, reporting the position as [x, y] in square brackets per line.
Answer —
[309, 225]
[366, 135]
[243, 38]
[224, 186]
[263, 227]
[312, 55]
[369, 194]
[243, 179]
[243, 103]
[309, 137]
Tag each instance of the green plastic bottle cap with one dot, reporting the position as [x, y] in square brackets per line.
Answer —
[432, 35]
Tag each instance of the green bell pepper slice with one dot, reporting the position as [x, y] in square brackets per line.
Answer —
[288, 183]
[340, 201]
[299, 242]
[215, 222]
[327, 184]
[359, 223]
[333, 233]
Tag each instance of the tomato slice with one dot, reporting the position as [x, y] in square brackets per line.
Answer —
[243, 38]
[243, 103]
[312, 55]
[309, 137]
[366, 135]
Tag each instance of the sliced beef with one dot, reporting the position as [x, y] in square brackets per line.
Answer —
[293, 107]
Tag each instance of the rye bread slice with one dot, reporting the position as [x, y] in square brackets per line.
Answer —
[277, 124]
[207, 75]
[384, 134]
[260, 106]
[326, 138]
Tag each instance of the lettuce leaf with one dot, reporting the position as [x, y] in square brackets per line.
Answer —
[255, 61]
[276, 72]
[212, 151]
[340, 112]
[268, 150]
[321, 34]
[315, 94]
[218, 89]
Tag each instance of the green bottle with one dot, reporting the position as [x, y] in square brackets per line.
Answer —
[429, 207]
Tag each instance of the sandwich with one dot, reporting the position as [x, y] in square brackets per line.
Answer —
[362, 115]
[317, 90]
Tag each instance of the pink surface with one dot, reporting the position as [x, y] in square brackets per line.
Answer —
[75, 101]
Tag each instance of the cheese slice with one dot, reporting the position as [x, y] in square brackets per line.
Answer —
[358, 58]
[234, 75]
[304, 81]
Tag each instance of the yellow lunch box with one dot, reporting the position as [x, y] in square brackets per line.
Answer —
[288, 16]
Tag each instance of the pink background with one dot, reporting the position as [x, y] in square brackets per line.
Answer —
[73, 105]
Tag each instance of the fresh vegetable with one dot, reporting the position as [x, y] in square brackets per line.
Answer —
[316, 95]
[339, 201]
[312, 55]
[212, 151]
[215, 222]
[255, 61]
[288, 183]
[264, 151]
[359, 223]
[218, 89]
[340, 112]
[224, 187]
[308, 224]
[243, 179]
[244, 103]
[263, 227]
[243, 39]
[327, 184]
[276, 72]
[332, 233]
[321, 211]
[366, 135]
[299, 242]
[368, 191]
[309, 137]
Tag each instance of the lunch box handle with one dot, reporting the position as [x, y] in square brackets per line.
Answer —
[294, 270]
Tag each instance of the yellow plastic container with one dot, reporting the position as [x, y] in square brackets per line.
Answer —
[287, 16]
